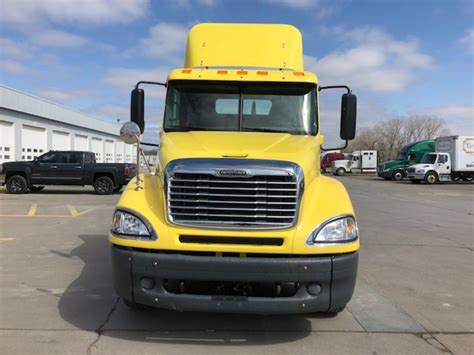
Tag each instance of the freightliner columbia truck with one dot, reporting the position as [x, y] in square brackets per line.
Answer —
[237, 217]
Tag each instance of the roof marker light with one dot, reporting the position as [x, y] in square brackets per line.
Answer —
[222, 72]
[298, 73]
[262, 73]
[242, 72]
[186, 71]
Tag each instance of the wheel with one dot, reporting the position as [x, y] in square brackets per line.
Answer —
[467, 179]
[340, 171]
[36, 188]
[17, 184]
[334, 311]
[104, 185]
[118, 188]
[133, 305]
[398, 175]
[431, 178]
[415, 181]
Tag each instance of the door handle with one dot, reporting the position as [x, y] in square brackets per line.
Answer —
[54, 167]
[78, 167]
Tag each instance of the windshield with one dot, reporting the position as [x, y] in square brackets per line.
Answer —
[287, 108]
[428, 159]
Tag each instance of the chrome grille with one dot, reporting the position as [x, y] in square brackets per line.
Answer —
[411, 170]
[262, 198]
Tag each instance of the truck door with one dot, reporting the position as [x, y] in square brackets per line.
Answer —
[70, 168]
[45, 168]
[443, 164]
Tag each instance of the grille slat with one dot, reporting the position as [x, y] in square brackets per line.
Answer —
[269, 201]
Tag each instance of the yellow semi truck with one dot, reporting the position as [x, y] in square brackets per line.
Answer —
[237, 217]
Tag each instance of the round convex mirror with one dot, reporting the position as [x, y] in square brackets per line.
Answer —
[130, 133]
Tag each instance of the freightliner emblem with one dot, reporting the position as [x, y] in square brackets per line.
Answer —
[233, 172]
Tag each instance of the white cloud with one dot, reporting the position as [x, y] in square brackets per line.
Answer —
[13, 67]
[372, 61]
[460, 118]
[124, 79]
[189, 3]
[468, 40]
[64, 95]
[56, 38]
[166, 40]
[95, 12]
[297, 4]
[15, 48]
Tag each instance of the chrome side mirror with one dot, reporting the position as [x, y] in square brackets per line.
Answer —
[130, 133]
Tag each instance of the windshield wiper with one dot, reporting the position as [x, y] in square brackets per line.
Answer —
[244, 129]
[185, 129]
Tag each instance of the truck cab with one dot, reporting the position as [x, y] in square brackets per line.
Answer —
[409, 155]
[433, 167]
[238, 217]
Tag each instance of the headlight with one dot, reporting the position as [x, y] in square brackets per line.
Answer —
[334, 231]
[128, 225]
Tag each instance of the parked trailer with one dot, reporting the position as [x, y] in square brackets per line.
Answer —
[361, 161]
[453, 160]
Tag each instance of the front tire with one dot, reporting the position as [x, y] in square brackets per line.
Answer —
[132, 305]
[104, 185]
[340, 171]
[398, 175]
[334, 311]
[431, 178]
[17, 184]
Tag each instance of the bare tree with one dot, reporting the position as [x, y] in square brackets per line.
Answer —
[388, 137]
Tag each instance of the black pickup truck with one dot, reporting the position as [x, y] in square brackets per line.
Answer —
[65, 168]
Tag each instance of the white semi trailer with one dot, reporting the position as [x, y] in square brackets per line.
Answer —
[453, 160]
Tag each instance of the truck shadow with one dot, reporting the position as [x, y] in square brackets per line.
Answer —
[90, 303]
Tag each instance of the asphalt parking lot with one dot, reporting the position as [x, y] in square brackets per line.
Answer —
[414, 294]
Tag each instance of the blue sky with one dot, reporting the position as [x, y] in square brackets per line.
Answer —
[400, 57]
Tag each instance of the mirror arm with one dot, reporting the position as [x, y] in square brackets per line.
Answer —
[150, 144]
[349, 91]
[150, 82]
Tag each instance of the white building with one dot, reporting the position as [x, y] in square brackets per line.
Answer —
[31, 126]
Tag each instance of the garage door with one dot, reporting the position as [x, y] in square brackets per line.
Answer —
[33, 142]
[61, 140]
[6, 142]
[119, 152]
[129, 153]
[80, 142]
[109, 151]
[98, 149]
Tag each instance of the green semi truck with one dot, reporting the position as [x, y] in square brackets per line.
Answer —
[409, 155]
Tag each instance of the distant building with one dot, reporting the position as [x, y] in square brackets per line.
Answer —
[31, 126]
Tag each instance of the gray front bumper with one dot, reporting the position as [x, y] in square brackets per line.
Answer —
[336, 274]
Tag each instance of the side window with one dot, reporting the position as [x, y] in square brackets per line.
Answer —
[442, 159]
[49, 158]
[88, 159]
[412, 156]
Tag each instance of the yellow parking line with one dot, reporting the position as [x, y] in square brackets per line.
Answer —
[37, 216]
[32, 210]
[6, 239]
[73, 210]
[89, 209]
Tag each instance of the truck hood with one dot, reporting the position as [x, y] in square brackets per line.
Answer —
[422, 166]
[299, 149]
